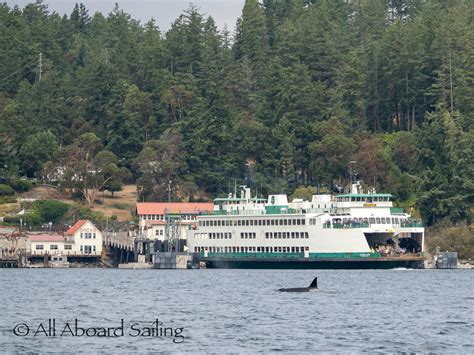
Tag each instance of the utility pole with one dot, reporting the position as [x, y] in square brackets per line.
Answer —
[40, 66]
[169, 190]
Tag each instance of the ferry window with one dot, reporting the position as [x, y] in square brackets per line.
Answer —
[306, 235]
[297, 234]
[279, 235]
[303, 222]
[377, 219]
[298, 221]
[285, 222]
[383, 220]
[372, 220]
[293, 235]
[251, 222]
[283, 235]
[247, 222]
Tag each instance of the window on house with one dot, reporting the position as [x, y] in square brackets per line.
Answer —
[53, 247]
[67, 247]
[39, 246]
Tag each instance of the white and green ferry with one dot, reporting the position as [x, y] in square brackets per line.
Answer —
[354, 230]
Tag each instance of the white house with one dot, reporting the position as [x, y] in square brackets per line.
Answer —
[82, 239]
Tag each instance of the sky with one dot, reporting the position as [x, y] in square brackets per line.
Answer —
[163, 11]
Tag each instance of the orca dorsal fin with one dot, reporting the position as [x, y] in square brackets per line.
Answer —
[314, 284]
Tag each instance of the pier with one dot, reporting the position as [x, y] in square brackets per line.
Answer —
[9, 262]
[120, 247]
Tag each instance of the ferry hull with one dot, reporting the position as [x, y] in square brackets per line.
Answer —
[320, 263]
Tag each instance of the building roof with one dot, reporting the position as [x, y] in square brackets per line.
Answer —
[46, 238]
[173, 207]
[76, 227]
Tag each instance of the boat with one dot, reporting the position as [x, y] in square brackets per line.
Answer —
[353, 230]
[59, 261]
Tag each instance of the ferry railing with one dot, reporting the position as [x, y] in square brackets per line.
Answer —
[346, 225]
[411, 224]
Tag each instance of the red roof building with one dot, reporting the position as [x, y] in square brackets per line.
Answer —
[46, 238]
[183, 208]
[152, 215]
[76, 227]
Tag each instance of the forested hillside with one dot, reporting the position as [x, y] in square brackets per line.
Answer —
[302, 88]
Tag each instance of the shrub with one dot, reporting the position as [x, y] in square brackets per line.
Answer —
[77, 195]
[52, 210]
[7, 199]
[21, 185]
[29, 219]
[6, 190]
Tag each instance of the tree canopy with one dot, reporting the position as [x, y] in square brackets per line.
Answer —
[298, 91]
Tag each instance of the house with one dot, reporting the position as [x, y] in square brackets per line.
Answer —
[82, 239]
[86, 238]
[154, 216]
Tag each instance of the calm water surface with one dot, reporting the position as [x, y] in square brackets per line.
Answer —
[241, 311]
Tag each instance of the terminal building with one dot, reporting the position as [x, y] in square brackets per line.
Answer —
[165, 221]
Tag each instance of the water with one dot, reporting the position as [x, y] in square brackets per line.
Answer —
[241, 311]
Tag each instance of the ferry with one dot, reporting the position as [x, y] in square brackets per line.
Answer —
[353, 230]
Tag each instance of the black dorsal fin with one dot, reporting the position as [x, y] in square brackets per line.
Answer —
[314, 284]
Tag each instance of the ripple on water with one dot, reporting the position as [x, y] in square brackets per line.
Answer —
[240, 310]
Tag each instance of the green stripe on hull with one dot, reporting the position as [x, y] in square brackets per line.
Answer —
[296, 255]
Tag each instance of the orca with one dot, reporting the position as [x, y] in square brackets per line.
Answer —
[312, 287]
